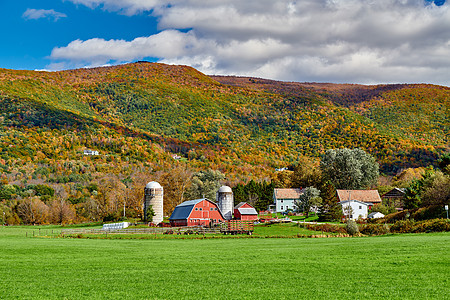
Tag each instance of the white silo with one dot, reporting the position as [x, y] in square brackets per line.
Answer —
[224, 198]
[153, 196]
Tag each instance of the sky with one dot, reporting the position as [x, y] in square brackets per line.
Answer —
[340, 41]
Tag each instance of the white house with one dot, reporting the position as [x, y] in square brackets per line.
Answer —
[90, 152]
[285, 199]
[353, 209]
[375, 215]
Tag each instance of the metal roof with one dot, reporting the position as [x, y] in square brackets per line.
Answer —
[247, 211]
[183, 210]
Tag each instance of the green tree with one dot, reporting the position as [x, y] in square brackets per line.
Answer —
[308, 199]
[205, 184]
[444, 163]
[349, 169]
[330, 209]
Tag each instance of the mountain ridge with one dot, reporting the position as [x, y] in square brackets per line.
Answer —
[245, 127]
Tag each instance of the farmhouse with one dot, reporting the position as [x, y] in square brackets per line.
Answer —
[285, 199]
[244, 211]
[371, 197]
[353, 209]
[196, 212]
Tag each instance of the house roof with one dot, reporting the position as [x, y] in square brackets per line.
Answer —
[360, 202]
[287, 193]
[368, 196]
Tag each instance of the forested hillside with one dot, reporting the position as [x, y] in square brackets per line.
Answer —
[138, 116]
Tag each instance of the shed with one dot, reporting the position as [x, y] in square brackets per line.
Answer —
[244, 211]
[394, 197]
[375, 215]
[200, 212]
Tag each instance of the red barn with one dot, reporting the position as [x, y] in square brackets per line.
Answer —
[196, 212]
[244, 211]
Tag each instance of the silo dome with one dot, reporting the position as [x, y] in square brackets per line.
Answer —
[153, 196]
[153, 185]
[225, 189]
[224, 198]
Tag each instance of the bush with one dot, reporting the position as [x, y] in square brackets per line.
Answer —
[351, 227]
[325, 228]
[429, 212]
[374, 229]
[402, 226]
[436, 225]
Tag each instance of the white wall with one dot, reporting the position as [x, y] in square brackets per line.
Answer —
[357, 209]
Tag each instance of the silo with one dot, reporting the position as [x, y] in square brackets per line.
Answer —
[153, 196]
[224, 198]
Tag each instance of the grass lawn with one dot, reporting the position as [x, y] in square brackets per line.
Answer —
[412, 266]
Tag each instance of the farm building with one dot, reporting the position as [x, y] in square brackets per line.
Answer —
[375, 215]
[394, 198]
[196, 212]
[244, 211]
[285, 199]
[371, 197]
[353, 209]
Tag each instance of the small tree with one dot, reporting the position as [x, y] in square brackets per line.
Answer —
[309, 198]
[149, 214]
[330, 209]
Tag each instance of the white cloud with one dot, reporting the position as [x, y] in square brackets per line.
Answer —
[359, 41]
[34, 14]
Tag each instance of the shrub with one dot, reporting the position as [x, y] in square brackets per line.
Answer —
[402, 226]
[351, 227]
[325, 228]
[374, 229]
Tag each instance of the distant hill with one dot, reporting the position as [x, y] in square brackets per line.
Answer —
[138, 115]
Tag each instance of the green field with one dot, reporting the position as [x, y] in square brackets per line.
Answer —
[411, 266]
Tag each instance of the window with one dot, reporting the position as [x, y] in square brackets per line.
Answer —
[215, 208]
[200, 208]
[212, 208]
[360, 207]
[281, 207]
[281, 201]
[196, 208]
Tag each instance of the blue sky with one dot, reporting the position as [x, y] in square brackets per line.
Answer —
[352, 41]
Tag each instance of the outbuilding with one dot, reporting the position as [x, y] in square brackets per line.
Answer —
[246, 212]
[375, 215]
[200, 212]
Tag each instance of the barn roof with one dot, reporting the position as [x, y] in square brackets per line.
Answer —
[287, 193]
[183, 210]
[368, 196]
[247, 211]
